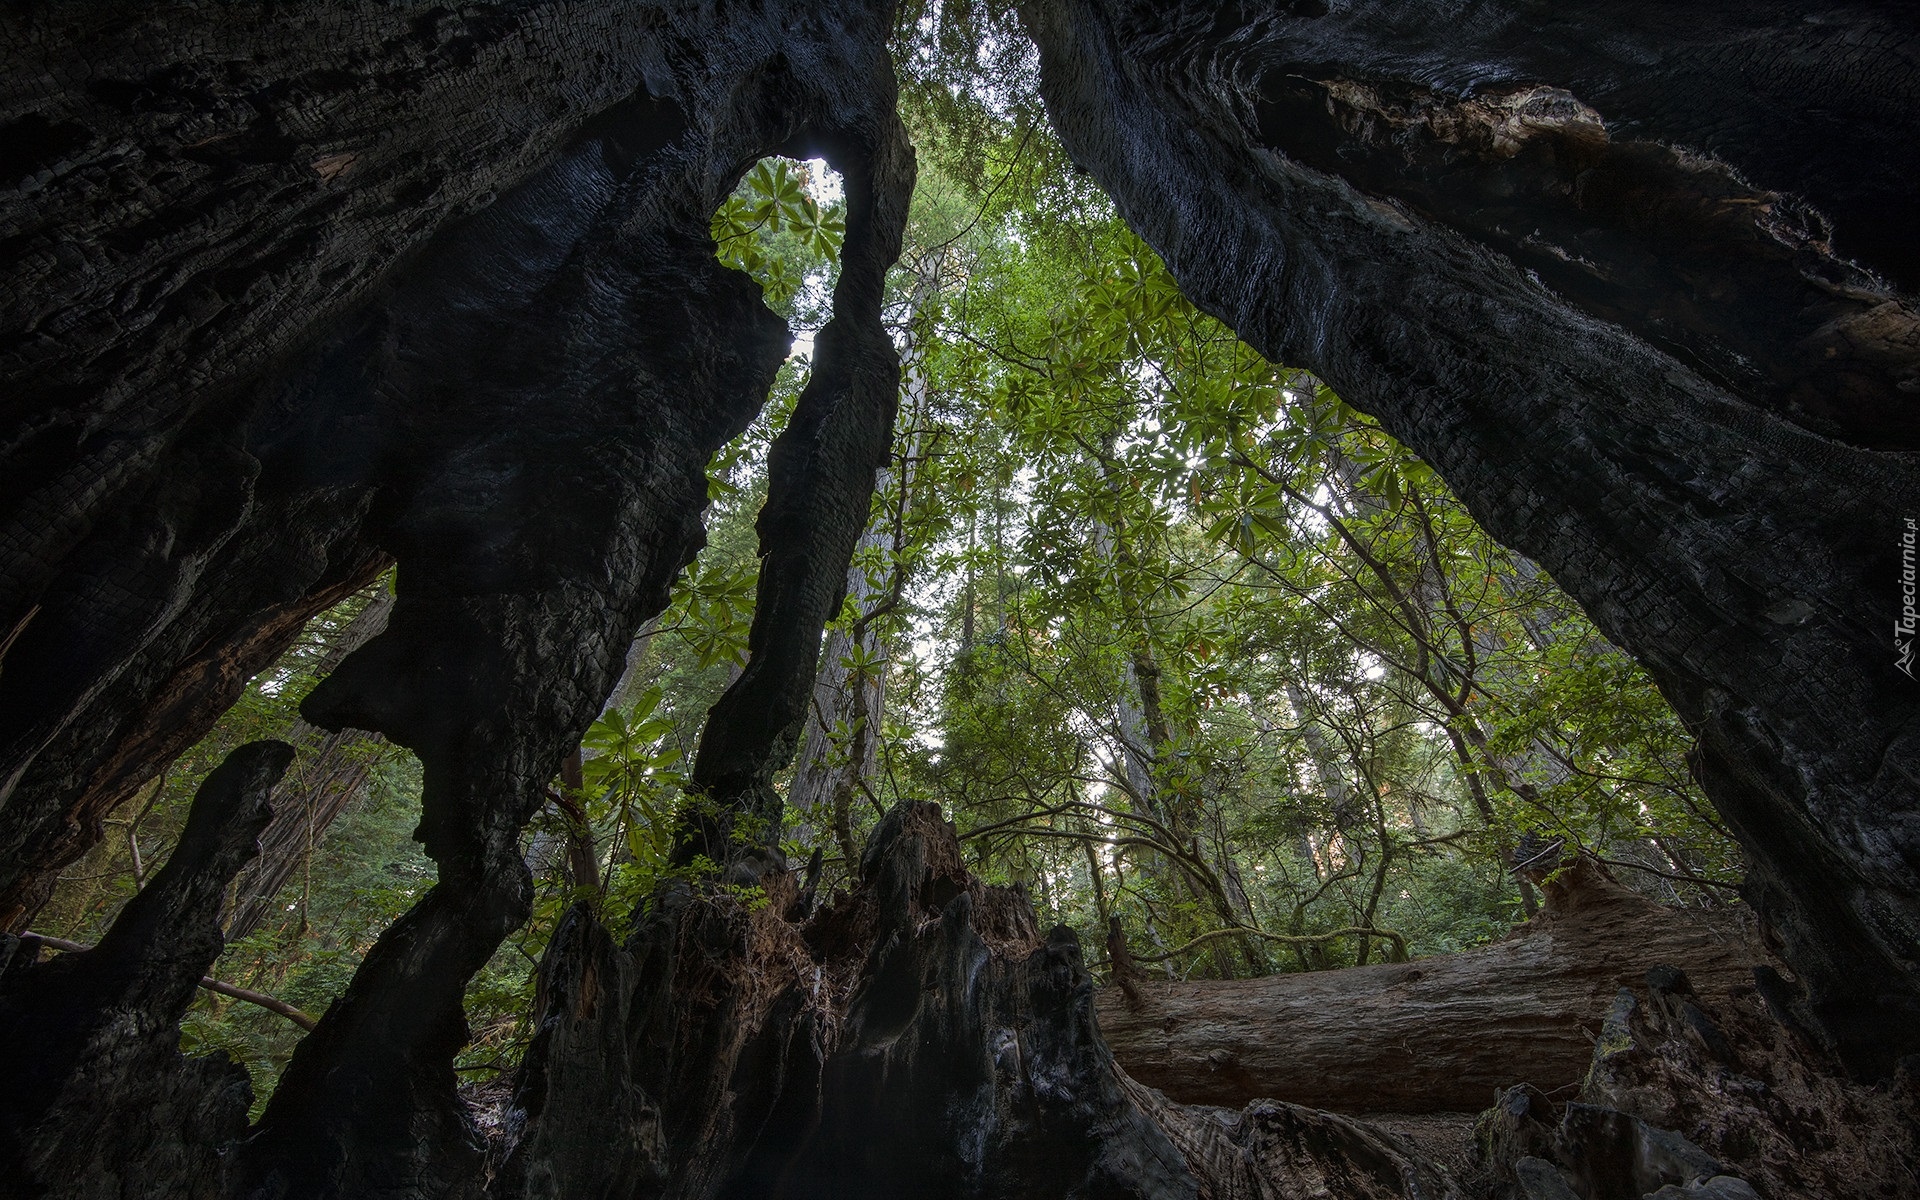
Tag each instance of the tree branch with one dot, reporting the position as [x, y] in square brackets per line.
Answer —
[261, 999]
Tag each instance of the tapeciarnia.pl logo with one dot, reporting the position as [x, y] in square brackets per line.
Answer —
[1903, 628]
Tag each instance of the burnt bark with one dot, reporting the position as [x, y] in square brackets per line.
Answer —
[1578, 260]
[191, 198]
[1703, 1094]
[94, 753]
[437, 287]
[607, 372]
[821, 469]
[917, 1037]
[99, 1101]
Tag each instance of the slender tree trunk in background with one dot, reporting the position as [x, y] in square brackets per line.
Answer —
[839, 752]
[1096, 878]
[1328, 764]
[329, 772]
[627, 689]
[825, 757]
[1477, 788]
[1145, 739]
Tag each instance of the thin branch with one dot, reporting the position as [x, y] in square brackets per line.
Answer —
[1287, 939]
[281, 1007]
[1696, 880]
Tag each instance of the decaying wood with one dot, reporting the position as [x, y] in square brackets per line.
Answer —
[918, 1037]
[1432, 1035]
[1692, 1095]
[1276, 1151]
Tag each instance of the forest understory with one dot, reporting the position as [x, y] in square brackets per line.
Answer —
[1087, 599]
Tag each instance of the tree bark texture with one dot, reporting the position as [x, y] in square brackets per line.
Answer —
[916, 1037]
[99, 1101]
[1628, 277]
[303, 289]
[1695, 1095]
[839, 751]
[1439, 1034]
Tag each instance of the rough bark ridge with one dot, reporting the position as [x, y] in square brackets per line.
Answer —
[645, 356]
[189, 198]
[432, 286]
[99, 1101]
[1704, 1096]
[918, 1037]
[1557, 251]
[1439, 1034]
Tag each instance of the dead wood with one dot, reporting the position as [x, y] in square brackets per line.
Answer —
[1433, 1035]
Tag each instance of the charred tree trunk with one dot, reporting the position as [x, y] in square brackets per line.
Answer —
[840, 752]
[682, 353]
[99, 1102]
[432, 286]
[145, 712]
[1487, 227]
[301, 290]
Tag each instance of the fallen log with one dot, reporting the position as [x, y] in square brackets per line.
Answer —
[1438, 1034]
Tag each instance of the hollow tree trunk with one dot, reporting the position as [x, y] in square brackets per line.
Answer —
[1575, 257]
[146, 711]
[435, 286]
[614, 239]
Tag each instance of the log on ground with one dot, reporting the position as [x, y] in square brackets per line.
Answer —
[1436, 1034]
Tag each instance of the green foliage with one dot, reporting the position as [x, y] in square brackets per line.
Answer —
[774, 229]
[633, 791]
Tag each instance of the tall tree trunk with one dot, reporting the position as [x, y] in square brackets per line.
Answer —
[825, 757]
[840, 751]
[329, 772]
[1445, 220]
[1144, 740]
